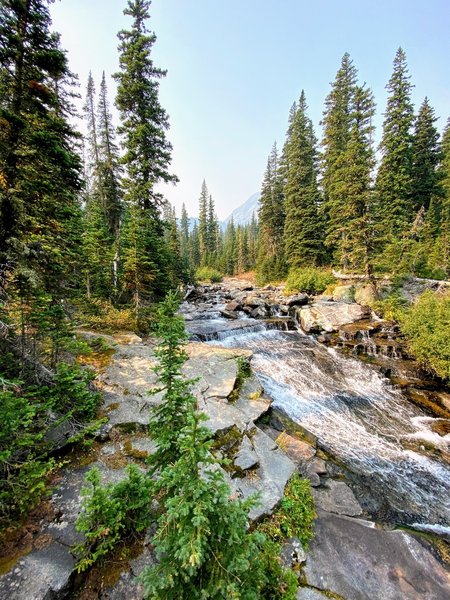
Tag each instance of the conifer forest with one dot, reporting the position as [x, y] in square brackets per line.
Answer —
[92, 253]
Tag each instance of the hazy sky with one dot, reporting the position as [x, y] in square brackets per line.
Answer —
[236, 66]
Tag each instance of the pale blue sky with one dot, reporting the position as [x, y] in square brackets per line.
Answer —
[236, 66]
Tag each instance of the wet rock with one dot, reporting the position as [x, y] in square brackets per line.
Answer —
[41, 575]
[260, 312]
[329, 316]
[355, 560]
[233, 306]
[337, 497]
[246, 458]
[254, 301]
[229, 314]
[297, 300]
[297, 450]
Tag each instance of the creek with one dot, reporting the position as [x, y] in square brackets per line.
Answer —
[358, 417]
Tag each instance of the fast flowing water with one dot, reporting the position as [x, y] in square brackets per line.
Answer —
[358, 417]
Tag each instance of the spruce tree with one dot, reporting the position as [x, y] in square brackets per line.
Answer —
[426, 156]
[203, 229]
[108, 167]
[352, 218]
[91, 143]
[39, 168]
[271, 262]
[442, 247]
[302, 231]
[394, 178]
[336, 122]
[146, 159]
[202, 543]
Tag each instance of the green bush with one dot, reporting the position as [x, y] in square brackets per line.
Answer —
[110, 513]
[426, 326]
[295, 515]
[208, 274]
[30, 414]
[308, 279]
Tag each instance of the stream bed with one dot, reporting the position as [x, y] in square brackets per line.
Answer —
[358, 417]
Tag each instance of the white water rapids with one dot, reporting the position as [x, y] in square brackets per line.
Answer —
[358, 417]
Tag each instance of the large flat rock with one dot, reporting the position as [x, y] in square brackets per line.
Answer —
[329, 316]
[269, 479]
[352, 558]
[336, 497]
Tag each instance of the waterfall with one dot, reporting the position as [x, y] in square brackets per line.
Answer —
[359, 418]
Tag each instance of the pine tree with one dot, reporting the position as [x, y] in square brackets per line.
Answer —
[108, 167]
[184, 241]
[146, 159]
[302, 231]
[229, 252]
[213, 232]
[91, 143]
[336, 124]
[271, 263]
[442, 246]
[202, 543]
[203, 224]
[394, 178]
[194, 247]
[39, 169]
[426, 156]
[351, 218]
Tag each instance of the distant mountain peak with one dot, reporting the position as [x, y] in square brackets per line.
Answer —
[243, 214]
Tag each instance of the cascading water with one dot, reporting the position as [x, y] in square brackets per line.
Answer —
[358, 417]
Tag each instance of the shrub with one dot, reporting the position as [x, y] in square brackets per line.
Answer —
[208, 274]
[295, 516]
[308, 279]
[29, 415]
[110, 513]
[101, 315]
[426, 326]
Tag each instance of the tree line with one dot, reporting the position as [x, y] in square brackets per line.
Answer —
[332, 204]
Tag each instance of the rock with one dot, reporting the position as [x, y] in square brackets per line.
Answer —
[246, 458]
[41, 575]
[217, 366]
[269, 480]
[317, 465]
[229, 314]
[260, 312]
[233, 306]
[253, 300]
[366, 295]
[292, 553]
[297, 300]
[344, 293]
[329, 316]
[306, 593]
[297, 450]
[337, 497]
[127, 338]
[353, 559]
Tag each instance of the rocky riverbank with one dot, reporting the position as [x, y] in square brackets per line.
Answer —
[351, 557]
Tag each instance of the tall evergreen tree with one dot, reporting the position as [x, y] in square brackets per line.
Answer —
[442, 249]
[271, 263]
[351, 217]
[39, 170]
[108, 167]
[203, 230]
[394, 178]
[91, 143]
[426, 156]
[302, 231]
[337, 123]
[146, 159]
